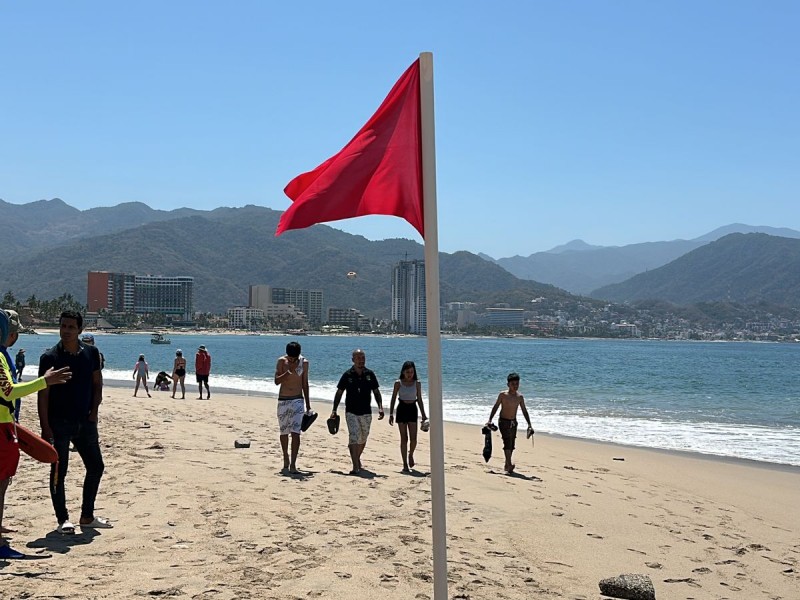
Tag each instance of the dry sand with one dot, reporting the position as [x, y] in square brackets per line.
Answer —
[197, 518]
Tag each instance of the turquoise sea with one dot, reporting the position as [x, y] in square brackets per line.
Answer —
[725, 398]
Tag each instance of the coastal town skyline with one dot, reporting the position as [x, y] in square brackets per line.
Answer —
[614, 124]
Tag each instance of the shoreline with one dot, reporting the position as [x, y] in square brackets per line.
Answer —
[313, 333]
[762, 464]
[197, 518]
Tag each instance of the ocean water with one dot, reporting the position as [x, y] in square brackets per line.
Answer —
[728, 399]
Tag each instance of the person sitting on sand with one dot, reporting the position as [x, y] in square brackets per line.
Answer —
[508, 402]
[179, 373]
[162, 381]
[291, 373]
[140, 373]
[409, 391]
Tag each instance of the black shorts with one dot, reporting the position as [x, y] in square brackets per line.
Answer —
[180, 372]
[406, 412]
[202, 379]
[508, 430]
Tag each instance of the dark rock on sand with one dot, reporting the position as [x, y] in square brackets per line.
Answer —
[242, 443]
[629, 586]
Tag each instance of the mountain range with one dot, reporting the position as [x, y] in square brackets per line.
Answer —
[226, 250]
[739, 268]
[581, 268]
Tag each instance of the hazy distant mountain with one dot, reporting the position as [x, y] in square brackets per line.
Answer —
[741, 228]
[226, 250]
[48, 223]
[573, 246]
[580, 268]
[744, 268]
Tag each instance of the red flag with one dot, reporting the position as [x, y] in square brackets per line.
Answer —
[379, 172]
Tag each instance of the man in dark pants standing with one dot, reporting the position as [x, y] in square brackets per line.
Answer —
[68, 413]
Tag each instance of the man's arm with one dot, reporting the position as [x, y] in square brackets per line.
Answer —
[42, 404]
[495, 407]
[280, 371]
[97, 394]
[336, 399]
[525, 412]
[379, 399]
[306, 393]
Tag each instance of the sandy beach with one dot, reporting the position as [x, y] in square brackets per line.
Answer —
[197, 518]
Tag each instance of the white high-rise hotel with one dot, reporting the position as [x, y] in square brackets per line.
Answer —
[408, 297]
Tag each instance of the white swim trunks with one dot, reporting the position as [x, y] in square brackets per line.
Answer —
[290, 414]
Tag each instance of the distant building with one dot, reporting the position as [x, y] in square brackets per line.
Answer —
[504, 317]
[309, 302]
[244, 317]
[409, 310]
[346, 317]
[141, 294]
[626, 329]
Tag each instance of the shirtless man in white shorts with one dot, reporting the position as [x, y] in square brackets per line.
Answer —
[291, 373]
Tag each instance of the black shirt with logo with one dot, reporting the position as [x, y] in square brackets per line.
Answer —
[358, 390]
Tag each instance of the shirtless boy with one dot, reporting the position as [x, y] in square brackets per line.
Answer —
[508, 402]
[291, 373]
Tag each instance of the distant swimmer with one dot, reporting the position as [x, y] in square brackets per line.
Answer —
[508, 402]
[291, 373]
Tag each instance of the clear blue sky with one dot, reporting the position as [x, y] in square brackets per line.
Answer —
[611, 121]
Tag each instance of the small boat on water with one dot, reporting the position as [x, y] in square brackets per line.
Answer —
[158, 338]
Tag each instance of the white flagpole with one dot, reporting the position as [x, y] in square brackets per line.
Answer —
[438, 499]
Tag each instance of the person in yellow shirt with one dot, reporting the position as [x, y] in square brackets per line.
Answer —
[9, 448]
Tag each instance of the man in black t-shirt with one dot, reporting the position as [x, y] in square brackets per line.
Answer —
[360, 384]
[68, 413]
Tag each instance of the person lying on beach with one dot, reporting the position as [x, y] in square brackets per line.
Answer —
[508, 402]
[291, 373]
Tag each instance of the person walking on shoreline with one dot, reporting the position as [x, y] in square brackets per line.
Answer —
[20, 362]
[408, 390]
[68, 413]
[360, 384]
[508, 402]
[179, 373]
[291, 373]
[202, 369]
[141, 372]
[9, 447]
